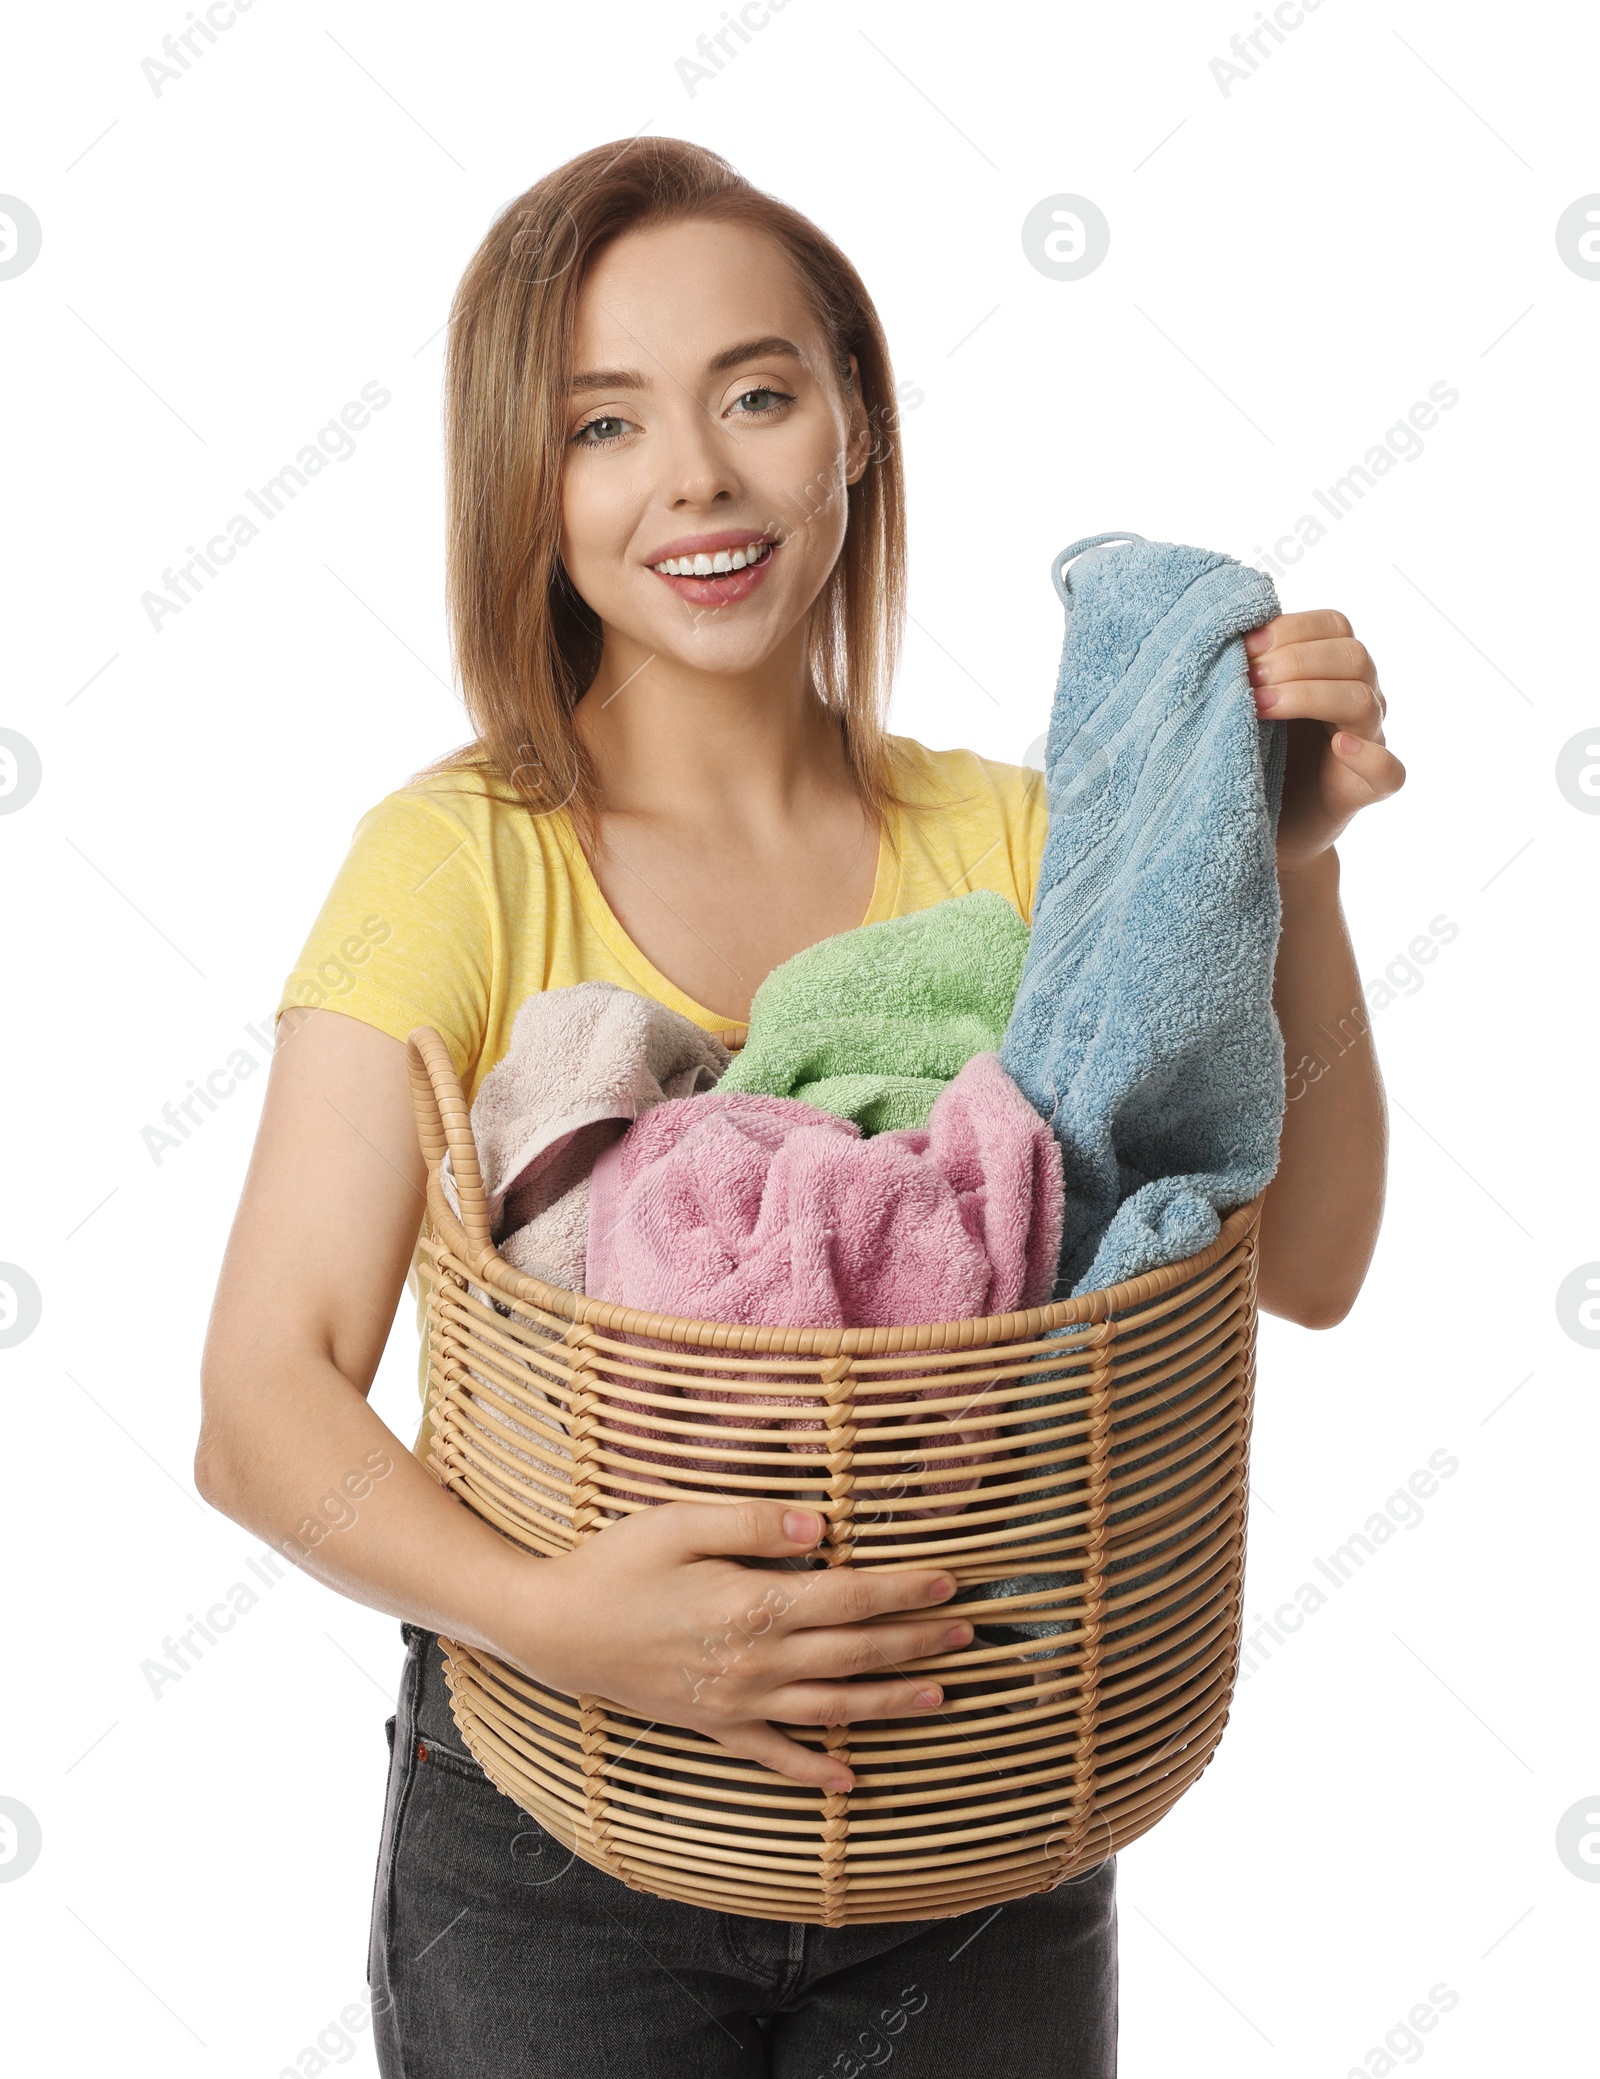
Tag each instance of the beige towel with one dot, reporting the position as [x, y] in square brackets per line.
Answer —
[582, 1064]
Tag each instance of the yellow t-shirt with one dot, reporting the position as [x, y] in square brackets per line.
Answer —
[452, 908]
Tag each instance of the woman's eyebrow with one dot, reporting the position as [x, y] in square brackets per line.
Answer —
[590, 379]
[756, 350]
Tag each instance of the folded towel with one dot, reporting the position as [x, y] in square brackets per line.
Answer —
[743, 1208]
[583, 1063]
[1143, 1028]
[873, 1023]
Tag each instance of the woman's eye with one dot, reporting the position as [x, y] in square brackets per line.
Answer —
[606, 430]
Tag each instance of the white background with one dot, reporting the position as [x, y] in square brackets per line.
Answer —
[1292, 264]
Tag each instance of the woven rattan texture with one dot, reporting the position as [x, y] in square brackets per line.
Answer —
[1081, 1469]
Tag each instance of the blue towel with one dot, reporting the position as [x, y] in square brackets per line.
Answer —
[1143, 1028]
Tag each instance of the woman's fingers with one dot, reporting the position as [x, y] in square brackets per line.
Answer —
[1326, 657]
[822, 1703]
[757, 1741]
[1313, 626]
[1348, 703]
[1372, 764]
[864, 1648]
[849, 1703]
[850, 1595]
[742, 1530]
[772, 1530]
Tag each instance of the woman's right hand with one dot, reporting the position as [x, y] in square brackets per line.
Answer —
[656, 1614]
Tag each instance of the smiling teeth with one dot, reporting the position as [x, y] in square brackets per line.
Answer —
[714, 566]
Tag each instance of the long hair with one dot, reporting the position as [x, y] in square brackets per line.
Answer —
[527, 646]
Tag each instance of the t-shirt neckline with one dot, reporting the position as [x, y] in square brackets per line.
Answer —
[652, 982]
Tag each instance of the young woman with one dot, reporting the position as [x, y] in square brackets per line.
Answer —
[677, 782]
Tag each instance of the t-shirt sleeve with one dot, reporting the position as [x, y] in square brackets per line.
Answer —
[406, 936]
[1018, 810]
[1033, 824]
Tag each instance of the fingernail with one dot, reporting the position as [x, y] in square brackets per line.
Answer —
[803, 1526]
[835, 1785]
[958, 1635]
[925, 1699]
[1266, 696]
[1347, 743]
[942, 1590]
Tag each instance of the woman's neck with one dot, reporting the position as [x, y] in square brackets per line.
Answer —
[710, 750]
[730, 830]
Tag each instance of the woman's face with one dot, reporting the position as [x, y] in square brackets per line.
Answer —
[705, 422]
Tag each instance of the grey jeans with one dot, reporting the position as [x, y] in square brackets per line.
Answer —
[498, 1954]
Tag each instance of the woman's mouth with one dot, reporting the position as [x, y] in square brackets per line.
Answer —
[719, 577]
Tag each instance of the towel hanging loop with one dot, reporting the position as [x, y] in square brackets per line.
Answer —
[1090, 541]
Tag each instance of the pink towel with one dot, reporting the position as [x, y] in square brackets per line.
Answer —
[735, 1207]
[743, 1208]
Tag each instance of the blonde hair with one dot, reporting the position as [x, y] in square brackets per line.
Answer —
[527, 646]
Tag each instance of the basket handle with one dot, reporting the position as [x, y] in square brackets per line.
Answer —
[443, 1123]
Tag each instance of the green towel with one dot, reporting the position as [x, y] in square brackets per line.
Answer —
[873, 1023]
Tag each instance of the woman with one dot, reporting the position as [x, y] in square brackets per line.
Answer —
[680, 778]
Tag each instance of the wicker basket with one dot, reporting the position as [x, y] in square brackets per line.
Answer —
[1079, 1468]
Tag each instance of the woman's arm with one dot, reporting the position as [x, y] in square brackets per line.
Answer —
[314, 1268]
[1321, 1213]
[290, 1448]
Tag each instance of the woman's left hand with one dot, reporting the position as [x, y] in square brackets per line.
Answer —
[1310, 671]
